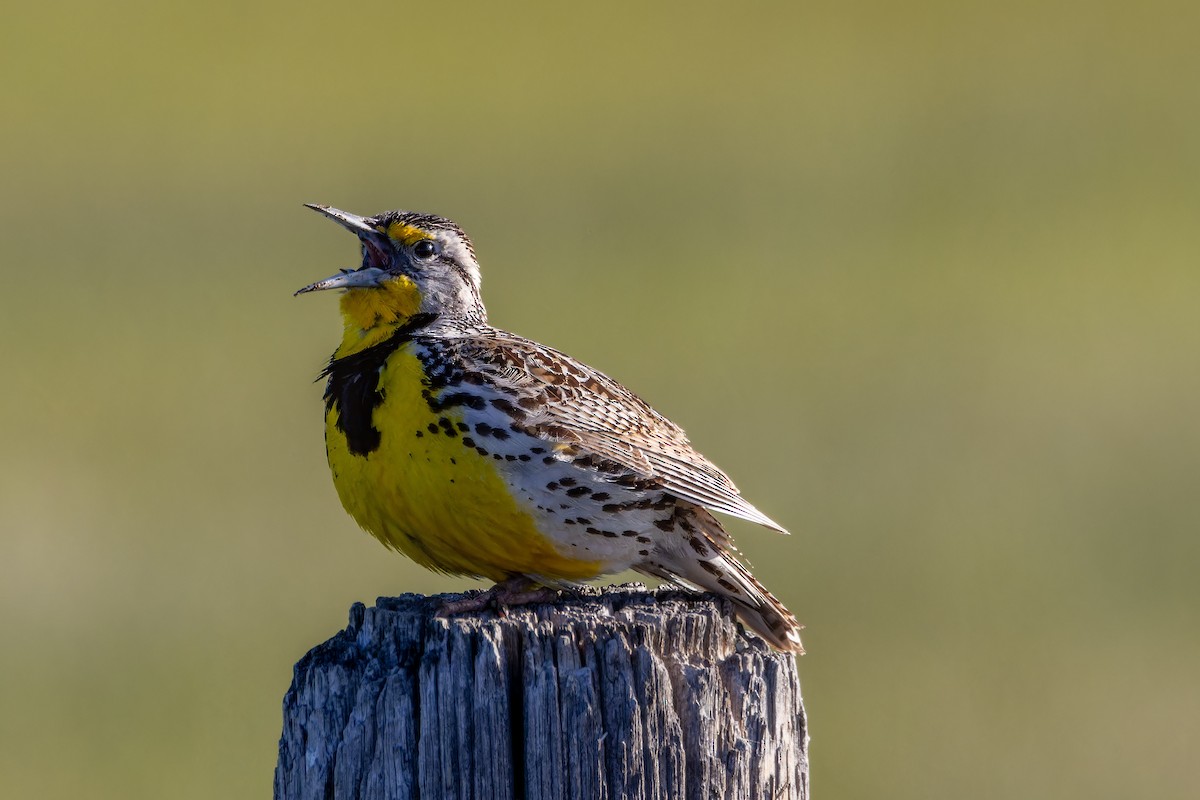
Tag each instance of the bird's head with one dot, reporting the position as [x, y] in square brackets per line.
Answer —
[411, 264]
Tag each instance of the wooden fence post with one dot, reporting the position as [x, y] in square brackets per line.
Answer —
[628, 693]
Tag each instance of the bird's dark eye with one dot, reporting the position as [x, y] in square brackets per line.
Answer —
[426, 248]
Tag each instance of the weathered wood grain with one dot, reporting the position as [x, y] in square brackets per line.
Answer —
[628, 693]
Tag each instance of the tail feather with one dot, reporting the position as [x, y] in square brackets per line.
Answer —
[699, 561]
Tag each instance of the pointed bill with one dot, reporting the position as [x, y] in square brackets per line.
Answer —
[351, 222]
[374, 243]
[347, 279]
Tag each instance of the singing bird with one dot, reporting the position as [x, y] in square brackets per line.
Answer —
[477, 452]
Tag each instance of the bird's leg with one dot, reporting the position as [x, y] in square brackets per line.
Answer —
[515, 591]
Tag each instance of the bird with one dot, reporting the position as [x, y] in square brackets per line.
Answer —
[478, 452]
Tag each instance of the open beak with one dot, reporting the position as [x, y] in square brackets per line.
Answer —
[375, 243]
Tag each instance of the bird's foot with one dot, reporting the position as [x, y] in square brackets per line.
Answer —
[516, 591]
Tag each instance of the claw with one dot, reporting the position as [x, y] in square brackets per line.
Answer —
[515, 591]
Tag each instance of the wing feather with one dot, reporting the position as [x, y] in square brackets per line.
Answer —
[565, 401]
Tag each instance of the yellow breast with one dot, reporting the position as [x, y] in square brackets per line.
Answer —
[421, 491]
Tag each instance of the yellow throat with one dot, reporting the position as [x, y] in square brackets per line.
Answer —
[372, 315]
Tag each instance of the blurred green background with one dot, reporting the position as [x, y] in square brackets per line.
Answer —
[923, 278]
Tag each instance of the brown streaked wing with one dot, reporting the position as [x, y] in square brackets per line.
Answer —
[568, 401]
